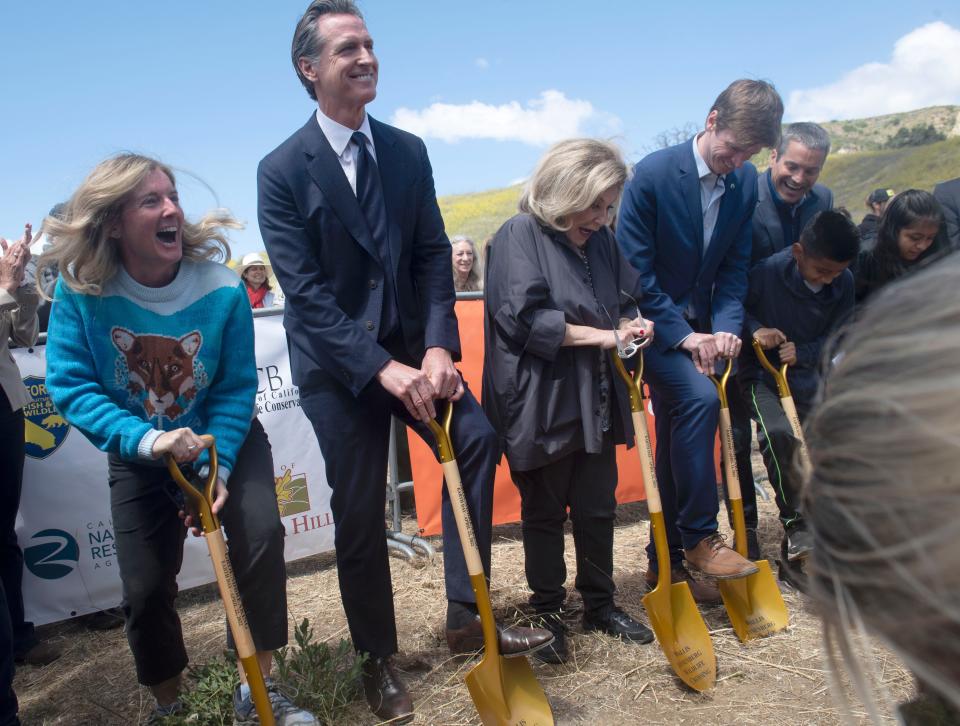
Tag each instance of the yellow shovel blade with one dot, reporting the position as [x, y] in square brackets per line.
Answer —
[505, 691]
[754, 604]
[682, 635]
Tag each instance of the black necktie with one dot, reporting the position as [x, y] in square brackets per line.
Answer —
[370, 197]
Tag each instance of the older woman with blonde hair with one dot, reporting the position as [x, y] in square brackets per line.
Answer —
[150, 344]
[467, 269]
[557, 287]
[883, 500]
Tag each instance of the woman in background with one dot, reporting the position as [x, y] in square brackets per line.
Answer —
[883, 501]
[467, 270]
[255, 273]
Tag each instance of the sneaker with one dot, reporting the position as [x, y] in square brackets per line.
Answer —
[285, 711]
[613, 621]
[799, 543]
[160, 713]
[556, 652]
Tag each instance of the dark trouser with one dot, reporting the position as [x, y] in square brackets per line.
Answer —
[149, 537]
[354, 436]
[8, 699]
[779, 448]
[686, 409]
[586, 484]
[11, 556]
[741, 422]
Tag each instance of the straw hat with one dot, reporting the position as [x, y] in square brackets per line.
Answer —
[254, 258]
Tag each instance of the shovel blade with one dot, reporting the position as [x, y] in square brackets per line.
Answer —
[682, 635]
[505, 692]
[754, 604]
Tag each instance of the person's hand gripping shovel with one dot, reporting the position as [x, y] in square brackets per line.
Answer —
[786, 402]
[201, 503]
[504, 690]
[673, 615]
[754, 603]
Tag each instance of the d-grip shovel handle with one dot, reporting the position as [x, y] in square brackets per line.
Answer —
[780, 376]
[468, 538]
[786, 400]
[203, 500]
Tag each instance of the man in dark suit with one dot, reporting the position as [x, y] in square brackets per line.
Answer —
[948, 194]
[685, 224]
[788, 196]
[349, 216]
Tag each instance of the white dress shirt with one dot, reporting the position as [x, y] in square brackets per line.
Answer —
[340, 137]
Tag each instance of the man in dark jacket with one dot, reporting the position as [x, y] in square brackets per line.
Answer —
[788, 196]
[948, 194]
[796, 299]
[876, 202]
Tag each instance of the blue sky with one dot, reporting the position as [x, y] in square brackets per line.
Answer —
[208, 86]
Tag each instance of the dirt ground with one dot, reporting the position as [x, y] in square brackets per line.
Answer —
[778, 680]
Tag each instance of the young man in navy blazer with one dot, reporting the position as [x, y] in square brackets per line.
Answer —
[685, 224]
[349, 216]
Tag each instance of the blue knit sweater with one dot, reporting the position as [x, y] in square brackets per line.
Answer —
[127, 365]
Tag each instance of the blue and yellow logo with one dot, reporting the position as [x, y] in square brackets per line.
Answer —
[46, 429]
[54, 556]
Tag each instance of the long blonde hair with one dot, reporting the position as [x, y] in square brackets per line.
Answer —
[83, 251]
[883, 501]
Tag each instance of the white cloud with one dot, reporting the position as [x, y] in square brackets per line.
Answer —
[481, 63]
[924, 70]
[543, 120]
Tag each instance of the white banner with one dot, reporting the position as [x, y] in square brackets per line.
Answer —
[64, 525]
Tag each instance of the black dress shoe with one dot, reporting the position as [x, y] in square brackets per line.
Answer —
[386, 695]
[555, 652]
[515, 640]
[617, 623]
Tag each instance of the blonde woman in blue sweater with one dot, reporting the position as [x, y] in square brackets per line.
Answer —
[151, 344]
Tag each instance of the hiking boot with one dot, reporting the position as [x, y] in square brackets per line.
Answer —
[703, 591]
[798, 543]
[714, 558]
[613, 621]
[160, 713]
[556, 652]
[41, 654]
[285, 712]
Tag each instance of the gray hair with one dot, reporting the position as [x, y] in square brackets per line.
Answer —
[474, 280]
[805, 133]
[883, 500]
[307, 41]
[569, 178]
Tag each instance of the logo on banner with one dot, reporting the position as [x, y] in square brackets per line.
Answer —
[293, 495]
[44, 428]
[54, 556]
[273, 393]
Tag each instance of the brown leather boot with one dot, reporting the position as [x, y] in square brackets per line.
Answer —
[386, 695]
[712, 557]
[703, 591]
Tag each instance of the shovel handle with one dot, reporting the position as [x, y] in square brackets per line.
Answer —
[729, 456]
[780, 376]
[786, 401]
[226, 581]
[468, 538]
[203, 500]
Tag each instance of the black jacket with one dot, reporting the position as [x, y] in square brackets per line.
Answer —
[544, 399]
[868, 231]
[778, 298]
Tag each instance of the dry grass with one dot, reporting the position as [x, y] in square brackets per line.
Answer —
[781, 679]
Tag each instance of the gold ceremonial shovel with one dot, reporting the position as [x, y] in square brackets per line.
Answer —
[504, 690]
[754, 603]
[674, 617]
[202, 501]
[786, 401]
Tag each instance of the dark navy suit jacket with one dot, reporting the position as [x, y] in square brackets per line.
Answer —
[326, 260]
[767, 229]
[660, 230]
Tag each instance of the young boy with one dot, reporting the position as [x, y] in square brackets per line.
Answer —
[796, 298]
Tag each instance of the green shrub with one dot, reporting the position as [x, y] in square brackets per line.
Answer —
[914, 136]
